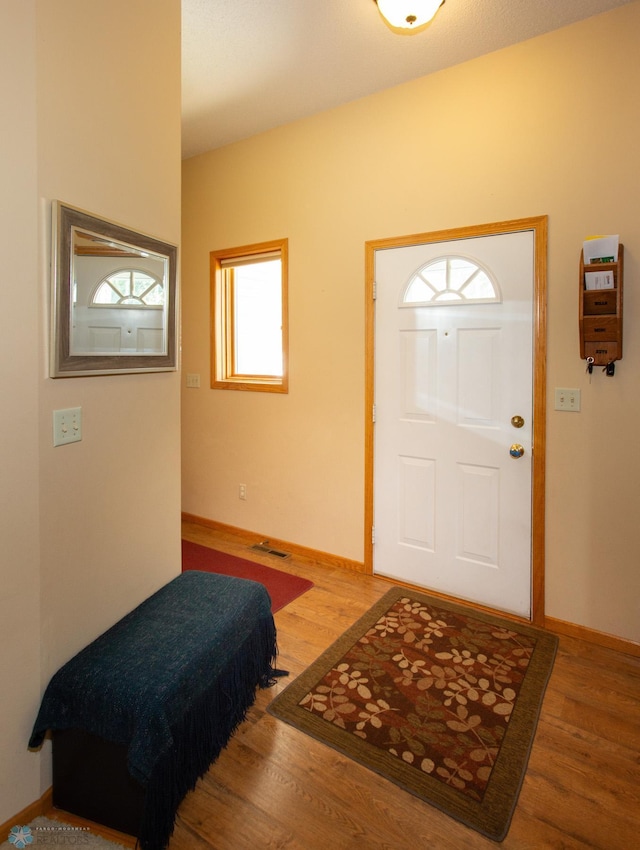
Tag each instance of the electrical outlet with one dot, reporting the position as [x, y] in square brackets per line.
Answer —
[568, 399]
[242, 491]
[67, 426]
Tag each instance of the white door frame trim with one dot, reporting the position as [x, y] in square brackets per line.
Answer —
[539, 226]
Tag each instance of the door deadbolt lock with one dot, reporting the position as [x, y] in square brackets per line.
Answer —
[517, 421]
[516, 450]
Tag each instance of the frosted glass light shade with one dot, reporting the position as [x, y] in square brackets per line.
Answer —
[408, 14]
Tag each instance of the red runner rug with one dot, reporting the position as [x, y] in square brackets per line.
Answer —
[283, 587]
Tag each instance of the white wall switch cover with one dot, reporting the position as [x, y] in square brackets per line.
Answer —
[567, 399]
[67, 426]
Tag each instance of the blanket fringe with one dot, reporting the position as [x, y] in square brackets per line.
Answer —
[204, 730]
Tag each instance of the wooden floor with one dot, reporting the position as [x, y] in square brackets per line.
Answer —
[274, 787]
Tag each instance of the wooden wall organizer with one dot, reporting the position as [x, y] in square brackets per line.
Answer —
[601, 313]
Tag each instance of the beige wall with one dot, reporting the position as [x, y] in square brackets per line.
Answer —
[108, 143]
[550, 126]
[19, 361]
[89, 529]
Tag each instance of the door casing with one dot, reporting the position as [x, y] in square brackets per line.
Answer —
[539, 226]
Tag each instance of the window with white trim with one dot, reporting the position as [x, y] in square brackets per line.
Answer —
[448, 281]
[129, 288]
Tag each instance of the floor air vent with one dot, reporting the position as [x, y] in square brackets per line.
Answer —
[267, 550]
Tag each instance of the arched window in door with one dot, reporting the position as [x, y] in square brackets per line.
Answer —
[129, 288]
[448, 281]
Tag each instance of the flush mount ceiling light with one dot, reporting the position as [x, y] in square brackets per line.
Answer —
[407, 16]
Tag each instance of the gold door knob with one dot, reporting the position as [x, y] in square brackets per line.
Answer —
[517, 421]
[516, 450]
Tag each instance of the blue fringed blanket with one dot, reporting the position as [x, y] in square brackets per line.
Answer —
[171, 681]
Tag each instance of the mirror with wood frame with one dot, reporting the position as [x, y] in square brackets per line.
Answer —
[113, 298]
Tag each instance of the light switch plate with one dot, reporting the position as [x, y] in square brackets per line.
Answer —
[568, 399]
[67, 426]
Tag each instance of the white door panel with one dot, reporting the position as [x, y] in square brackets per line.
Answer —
[452, 508]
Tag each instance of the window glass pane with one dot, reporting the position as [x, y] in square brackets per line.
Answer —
[121, 282]
[141, 282]
[154, 297]
[436, 275]
[479, 287]
[417, 292]
[106, 294]
[459, 272]
[258, 318]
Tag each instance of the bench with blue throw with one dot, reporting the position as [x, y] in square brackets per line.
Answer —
[164, 688]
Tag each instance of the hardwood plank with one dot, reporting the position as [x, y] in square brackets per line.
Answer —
[274, 787]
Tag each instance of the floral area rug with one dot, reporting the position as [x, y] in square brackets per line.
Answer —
[441, 700]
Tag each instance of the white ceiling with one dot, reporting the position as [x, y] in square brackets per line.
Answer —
[251, 65]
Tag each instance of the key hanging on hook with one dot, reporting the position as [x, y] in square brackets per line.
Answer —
[610, 369]
[590, 361]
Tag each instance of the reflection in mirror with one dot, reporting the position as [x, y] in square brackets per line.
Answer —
[118, 298]
[114, 298]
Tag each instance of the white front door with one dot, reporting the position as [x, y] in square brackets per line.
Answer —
[453, 387]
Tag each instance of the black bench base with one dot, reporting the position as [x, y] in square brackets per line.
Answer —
[91, 780]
